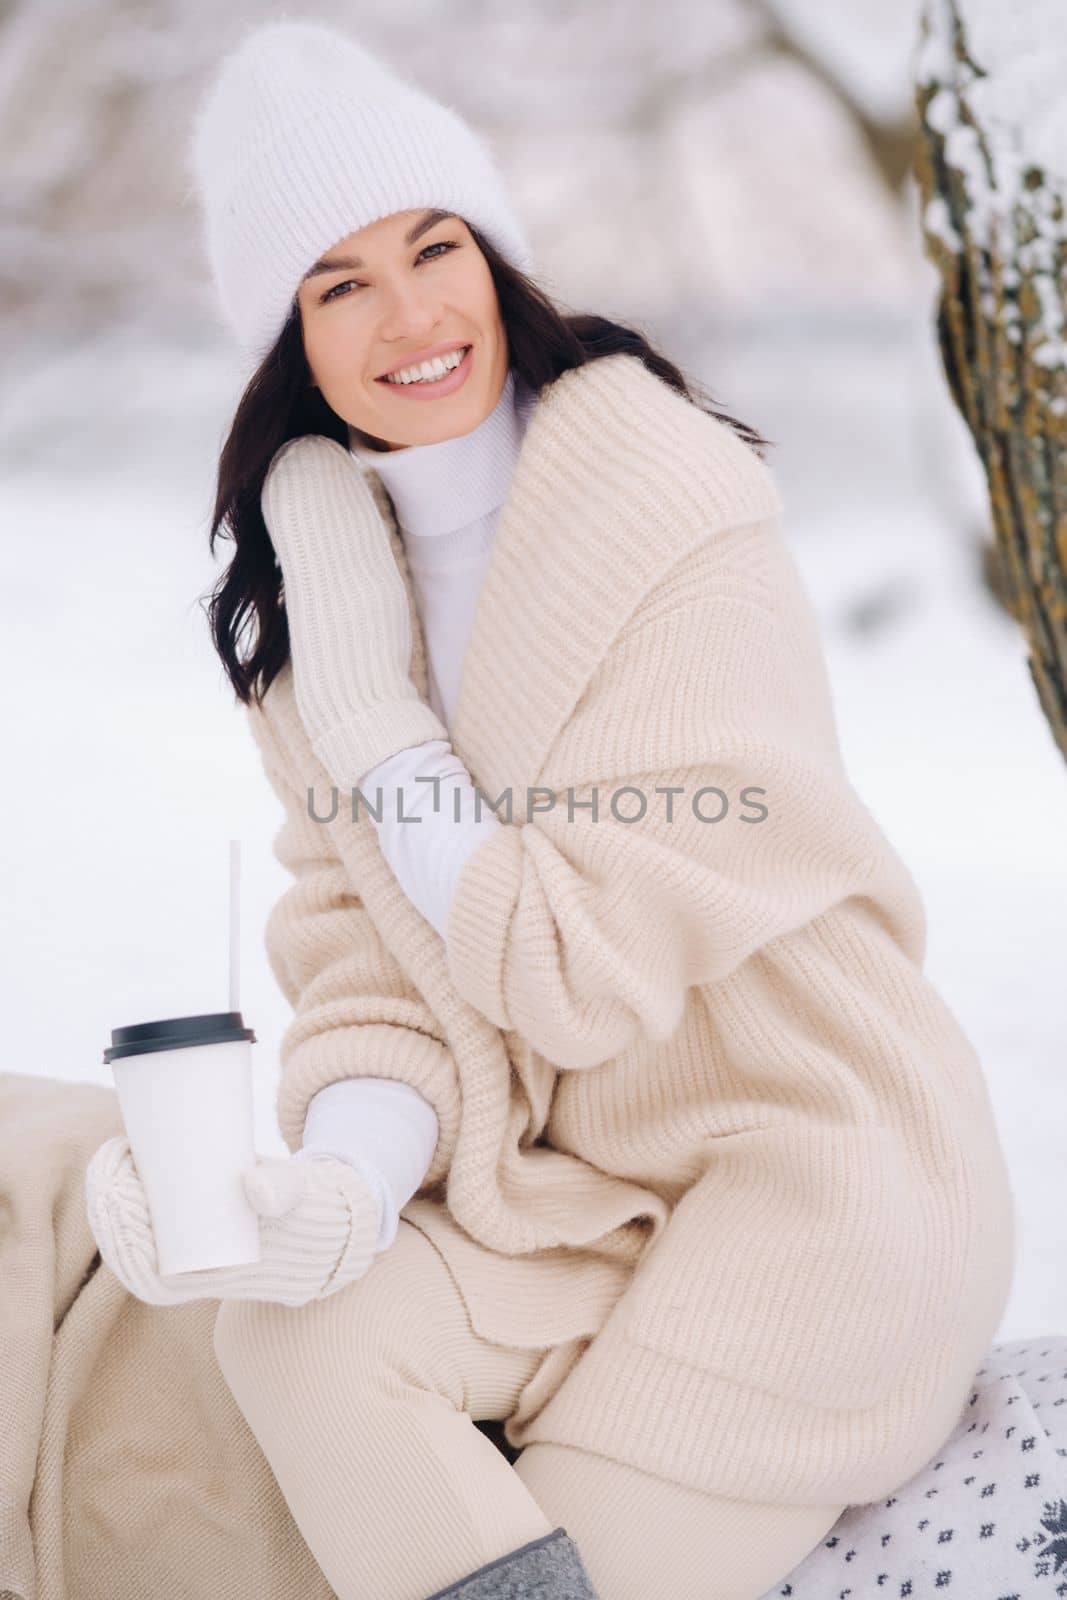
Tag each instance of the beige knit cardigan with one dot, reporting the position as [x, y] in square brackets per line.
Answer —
[705, 1125]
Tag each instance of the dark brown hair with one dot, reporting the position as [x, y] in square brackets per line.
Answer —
[247, 617]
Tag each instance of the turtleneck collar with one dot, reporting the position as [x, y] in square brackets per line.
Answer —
[438, 488]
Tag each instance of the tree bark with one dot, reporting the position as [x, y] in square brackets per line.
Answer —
[993, 226]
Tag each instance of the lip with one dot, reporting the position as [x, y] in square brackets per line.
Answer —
[438, 388]
[423, 355]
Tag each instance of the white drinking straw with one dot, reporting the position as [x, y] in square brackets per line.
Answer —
[235, 921]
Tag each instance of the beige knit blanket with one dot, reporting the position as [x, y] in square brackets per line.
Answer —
[126, 1469]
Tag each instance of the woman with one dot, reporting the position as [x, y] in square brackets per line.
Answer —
[702, 1194]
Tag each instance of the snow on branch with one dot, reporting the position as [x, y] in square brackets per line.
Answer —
[992, 169]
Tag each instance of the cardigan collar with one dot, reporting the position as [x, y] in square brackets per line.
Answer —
[618, 478]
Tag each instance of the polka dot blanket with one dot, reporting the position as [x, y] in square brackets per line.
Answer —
[985, 1519]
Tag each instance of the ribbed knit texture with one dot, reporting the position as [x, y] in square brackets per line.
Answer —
[439, 491]
[317, 1224]
[447, 498]
[303, 137]
[127, 1470]
[385, 1129]
[352, 682]
[704, 1048]
[430, 822]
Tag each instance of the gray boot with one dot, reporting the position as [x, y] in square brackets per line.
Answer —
[548, 1568]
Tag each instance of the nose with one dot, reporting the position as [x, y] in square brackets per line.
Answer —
[410, 310]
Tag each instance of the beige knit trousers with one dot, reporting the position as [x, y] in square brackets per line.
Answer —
[364, 1406]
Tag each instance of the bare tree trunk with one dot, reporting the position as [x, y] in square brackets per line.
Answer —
[993, 224]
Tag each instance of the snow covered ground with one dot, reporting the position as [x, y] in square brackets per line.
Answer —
[130, 768]
[671, 174]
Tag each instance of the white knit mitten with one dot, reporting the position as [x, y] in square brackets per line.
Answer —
[348, 611]
[318, 1227]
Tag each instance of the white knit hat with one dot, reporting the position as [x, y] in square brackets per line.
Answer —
[302, 138]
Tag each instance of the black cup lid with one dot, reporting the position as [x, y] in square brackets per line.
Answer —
[177, 1033]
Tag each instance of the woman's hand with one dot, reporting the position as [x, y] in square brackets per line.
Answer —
[318, 1228]
[348, 610]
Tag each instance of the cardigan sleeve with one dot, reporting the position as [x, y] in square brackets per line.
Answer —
[355, 1012]
[583, 930]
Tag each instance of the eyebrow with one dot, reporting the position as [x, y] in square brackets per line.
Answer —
[428, 220]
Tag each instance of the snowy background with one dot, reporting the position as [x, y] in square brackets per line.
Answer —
[728, 175]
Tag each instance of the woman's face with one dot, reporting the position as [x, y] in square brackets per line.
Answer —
[383, 297]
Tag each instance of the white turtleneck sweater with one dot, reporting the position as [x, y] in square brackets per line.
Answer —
[448, 498]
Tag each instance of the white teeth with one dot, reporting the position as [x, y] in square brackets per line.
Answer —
[427, 371]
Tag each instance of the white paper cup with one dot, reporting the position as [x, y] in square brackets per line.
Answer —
[184, 1086]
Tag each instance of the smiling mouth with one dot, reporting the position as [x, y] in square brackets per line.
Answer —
[424, 383]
